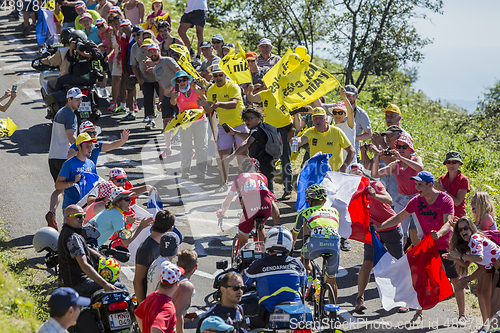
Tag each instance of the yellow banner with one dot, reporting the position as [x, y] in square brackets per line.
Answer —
[295, 83]
[185, 60]
[235, 66]
[7, 127]
[184, 119]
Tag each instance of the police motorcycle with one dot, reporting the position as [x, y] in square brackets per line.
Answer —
[289, 317]
[112, 311]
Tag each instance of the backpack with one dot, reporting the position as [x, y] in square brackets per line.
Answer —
[274, 145]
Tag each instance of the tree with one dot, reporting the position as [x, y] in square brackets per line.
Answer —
[375, 37]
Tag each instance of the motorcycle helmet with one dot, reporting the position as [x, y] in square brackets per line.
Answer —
[65, 33]
[316, 192]
[45, 239]
[279, 239]
[109, 269]
[78, 35]
[250, 165]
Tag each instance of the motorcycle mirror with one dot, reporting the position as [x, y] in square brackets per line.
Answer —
[125, 234]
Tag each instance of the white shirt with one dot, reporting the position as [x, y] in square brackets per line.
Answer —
[51, 326]
[351, 135]
[193, 5]
[153, 276]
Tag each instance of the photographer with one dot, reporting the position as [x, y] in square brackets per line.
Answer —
[85, 59]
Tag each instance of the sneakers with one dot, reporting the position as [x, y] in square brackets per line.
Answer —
[222, 188]
[50, 217]
[360, 304]
[155, 114]
[112, 107]
[136, 107]
[403, 310]
[166, 153]
[119, 109]
[146, 120]
[462, 321]
[150, 125]
[286, 195]
[129, 117]
[417, 319]
[345, 245]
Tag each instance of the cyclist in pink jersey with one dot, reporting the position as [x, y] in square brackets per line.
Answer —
[406, 165]
[185, 95]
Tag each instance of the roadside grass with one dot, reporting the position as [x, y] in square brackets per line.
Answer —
[23, 290]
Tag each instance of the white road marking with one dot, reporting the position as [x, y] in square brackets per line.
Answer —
[15, 41]
[129, 272]
[33, 94]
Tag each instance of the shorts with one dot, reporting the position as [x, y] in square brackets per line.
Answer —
[226, 140]
[449, 266]
[316, 247]
[393, 242]
[168, 110]
[196, 17]
[117, 67]
[55, 166]
[131, 83]
[254, 206]
[28, 6]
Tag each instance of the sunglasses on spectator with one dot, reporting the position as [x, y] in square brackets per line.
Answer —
[338, 113]
[451, 162]
[100, 26]
[401, 147]
[236, 288]
[92, 133]
[127, 199]
[249, 118]
[217, 75]
[146, 36]
[216, 41]
[136, 35]
[181, 80]
[466, 228]
[122, 180]
[78, 215]
[249, 60]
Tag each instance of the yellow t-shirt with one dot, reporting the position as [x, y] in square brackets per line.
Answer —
[329, 142]
[229, 90]
[272, 116]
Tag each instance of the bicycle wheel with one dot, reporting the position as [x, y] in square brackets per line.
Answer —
[316, 273]
[327, 297]
[234, 248]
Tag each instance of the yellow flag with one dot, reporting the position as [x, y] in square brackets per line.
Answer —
[184, 119]
[235, 66]
[7, 127]
[295, 83]
[158, 19]
[145, 25]
[185, 60]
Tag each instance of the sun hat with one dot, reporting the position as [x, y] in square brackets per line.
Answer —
[179, 74]
[453, 156]
[405, 139]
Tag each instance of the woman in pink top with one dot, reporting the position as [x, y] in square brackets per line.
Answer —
[406, 165]
[483, 210]
[134, 11]
[185, 96]
[103, 192]
[157, 8]
[468, 245]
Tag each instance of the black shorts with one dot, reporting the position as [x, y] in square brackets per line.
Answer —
[196, 17]
[449, 266]
[131, 82]
[32, 6]
[168, 110]
[55, 166]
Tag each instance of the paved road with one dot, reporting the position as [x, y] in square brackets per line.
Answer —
[26, 186]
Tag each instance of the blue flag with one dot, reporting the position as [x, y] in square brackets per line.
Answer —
[313, 172]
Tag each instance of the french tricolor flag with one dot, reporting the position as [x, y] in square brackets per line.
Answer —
[417, 280]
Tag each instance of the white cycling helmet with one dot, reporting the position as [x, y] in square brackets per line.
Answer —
[45, 239]
[279, 239]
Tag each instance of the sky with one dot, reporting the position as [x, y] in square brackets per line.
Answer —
[463, 60]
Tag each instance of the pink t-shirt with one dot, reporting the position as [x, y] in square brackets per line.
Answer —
[430, 217]
[460, 182]
[379, 212]
[188, 103]
[405, 184]
[482, 246]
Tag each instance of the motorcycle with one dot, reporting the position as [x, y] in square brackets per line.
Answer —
[285, 316]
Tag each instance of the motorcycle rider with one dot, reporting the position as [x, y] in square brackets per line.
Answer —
[85, 59]
[278, 276]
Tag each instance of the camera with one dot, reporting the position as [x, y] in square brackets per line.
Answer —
[387, 152]
[221, 264]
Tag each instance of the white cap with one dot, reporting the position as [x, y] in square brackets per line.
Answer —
[265, 41]
[74, 93]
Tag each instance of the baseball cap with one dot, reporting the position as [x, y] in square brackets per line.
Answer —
[425, 176]
[80, 4]
[351, 89]
[86, 125]
[214, 69]
[147, 42]
[170, 273]
[125, 22]
[392, 108]
[99, 21]
[84, 137]
[251, 56]
[86, 15]
[153, 46]
[228, 46]
[318, 111]
[104, 189]
[355, 166]
[265, 41]
[117, 173]
[114, 9]
[215, 323]
[118, 193]
[339, 106]
[392, 129]
[218, 37]
[64, 297]
[205, 43]
[74, 93]
[453, 156]
[156, 1]
[168, 244]
[137, 28]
